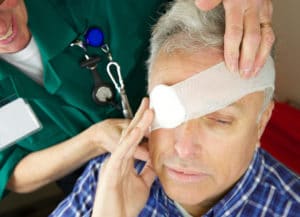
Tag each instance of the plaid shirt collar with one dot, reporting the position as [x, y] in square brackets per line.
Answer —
[242, 190]
[266, 189]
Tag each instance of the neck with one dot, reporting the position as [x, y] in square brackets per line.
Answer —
[197, 210]
[203, 207]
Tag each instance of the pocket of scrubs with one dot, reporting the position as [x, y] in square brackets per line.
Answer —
[17, 121]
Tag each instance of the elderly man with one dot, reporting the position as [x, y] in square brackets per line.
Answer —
[206, 123]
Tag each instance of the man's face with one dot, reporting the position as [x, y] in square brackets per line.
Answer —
[14, 33]
[200, 160]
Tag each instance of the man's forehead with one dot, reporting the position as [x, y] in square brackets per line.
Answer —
[248, 101]
[236, 107]
[240, 105]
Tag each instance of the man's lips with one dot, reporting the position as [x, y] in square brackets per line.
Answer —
[184, 175]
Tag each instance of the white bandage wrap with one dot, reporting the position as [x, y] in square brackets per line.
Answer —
[206, 92]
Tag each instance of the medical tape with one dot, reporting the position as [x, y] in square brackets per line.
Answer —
[206, 92]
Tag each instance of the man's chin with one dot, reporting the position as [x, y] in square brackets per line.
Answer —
[182, 192]
[184, 196]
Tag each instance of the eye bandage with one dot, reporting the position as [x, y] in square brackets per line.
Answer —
[206, 92]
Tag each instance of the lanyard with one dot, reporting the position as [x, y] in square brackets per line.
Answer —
[104, 93]
[119, 84]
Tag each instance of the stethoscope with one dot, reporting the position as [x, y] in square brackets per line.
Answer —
[103, 93]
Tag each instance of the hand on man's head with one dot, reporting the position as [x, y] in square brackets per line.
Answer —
[249, 36]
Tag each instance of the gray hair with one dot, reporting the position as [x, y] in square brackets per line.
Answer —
[186, 27]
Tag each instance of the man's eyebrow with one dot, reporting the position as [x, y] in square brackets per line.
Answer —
[234, 107]
[1, 1]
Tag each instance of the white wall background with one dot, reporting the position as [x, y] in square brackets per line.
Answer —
[286, 23]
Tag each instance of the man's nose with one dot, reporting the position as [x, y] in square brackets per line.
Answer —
[187, 140]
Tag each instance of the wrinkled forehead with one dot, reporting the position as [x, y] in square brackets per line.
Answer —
[205, 92]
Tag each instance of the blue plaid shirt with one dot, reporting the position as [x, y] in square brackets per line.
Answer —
[267, 189]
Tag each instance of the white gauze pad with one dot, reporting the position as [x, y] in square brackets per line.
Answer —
[204, 93]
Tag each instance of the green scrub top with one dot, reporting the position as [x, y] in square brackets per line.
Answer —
[64, 105]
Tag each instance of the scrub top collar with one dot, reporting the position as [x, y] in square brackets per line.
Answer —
[24, 86]
[52, 38]
[55, 35]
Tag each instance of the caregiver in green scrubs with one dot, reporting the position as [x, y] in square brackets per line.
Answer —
[74, 128]
[63, 100]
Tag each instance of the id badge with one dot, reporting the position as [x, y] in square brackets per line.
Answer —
[17, 121]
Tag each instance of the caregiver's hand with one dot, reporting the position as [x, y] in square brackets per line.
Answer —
[248, 36]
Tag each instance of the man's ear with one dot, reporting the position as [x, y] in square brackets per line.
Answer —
[265, 117]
